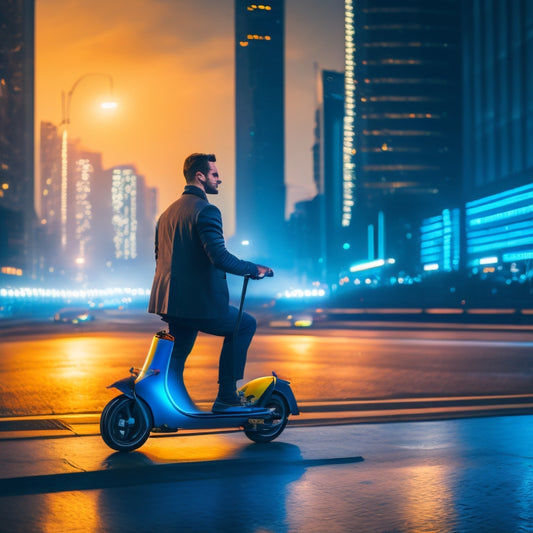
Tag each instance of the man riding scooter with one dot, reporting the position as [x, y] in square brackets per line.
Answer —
[190, 290]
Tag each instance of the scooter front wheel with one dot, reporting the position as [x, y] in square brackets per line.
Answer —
[125, 423]
[271, 429]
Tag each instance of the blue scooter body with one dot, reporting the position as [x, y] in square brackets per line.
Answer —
[160, 384]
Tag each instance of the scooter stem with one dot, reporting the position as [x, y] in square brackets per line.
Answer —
[243, 295]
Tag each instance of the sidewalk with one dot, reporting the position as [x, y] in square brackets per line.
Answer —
[457, 475]
[35, 449]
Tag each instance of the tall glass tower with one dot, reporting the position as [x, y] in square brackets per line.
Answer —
[498, 136]
[260, 139]
[17, 215]
[402, 140]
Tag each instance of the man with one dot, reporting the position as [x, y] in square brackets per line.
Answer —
[190, 290]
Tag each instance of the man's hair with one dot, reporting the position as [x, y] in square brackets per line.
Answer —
[197, 163]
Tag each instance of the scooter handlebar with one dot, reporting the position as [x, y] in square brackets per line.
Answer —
[268, 274]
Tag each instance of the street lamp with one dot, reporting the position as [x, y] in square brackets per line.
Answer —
[65, 101]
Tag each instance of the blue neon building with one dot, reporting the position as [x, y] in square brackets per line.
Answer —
[440, 242]
[499, 229]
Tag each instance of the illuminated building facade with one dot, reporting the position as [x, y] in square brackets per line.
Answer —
[85, 196]
[83, 213]
[498, 136]
[260, 139]
[124, 204]
[17, 215]
[81, 207]
[133, 214]
[50, 200]
[500, 231]
[403, 121]
[440, 242]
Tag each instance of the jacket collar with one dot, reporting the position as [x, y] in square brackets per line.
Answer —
[193, 189]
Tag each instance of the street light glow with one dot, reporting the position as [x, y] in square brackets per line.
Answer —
[367, 265]
[108, 105]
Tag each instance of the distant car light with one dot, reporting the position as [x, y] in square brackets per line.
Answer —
[73, 316]
[303, 323]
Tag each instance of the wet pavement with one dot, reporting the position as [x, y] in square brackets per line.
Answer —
[455, 475]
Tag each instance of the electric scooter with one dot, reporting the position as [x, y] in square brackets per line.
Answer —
[155, 399]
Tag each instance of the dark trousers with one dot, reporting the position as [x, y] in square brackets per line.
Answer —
[234, 349]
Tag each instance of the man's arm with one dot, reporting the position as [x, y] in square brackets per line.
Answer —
[209, 224]
[156, 240]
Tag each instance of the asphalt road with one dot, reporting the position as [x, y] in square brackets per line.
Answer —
[467, 476]
[51, 369]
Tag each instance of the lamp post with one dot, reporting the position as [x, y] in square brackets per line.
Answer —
[65, 101]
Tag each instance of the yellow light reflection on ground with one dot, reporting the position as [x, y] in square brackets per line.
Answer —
[301, 346]
[79, 352]
[214, 447]
[70, 511]
[427, 496]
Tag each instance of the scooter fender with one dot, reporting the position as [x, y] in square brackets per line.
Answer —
[258, 392]
[126, 386]
[284, 388]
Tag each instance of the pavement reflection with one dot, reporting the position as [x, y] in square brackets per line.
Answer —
[455, 475]
[70, 373]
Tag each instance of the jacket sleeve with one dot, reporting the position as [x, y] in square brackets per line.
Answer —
[156, 241]
[209, 226]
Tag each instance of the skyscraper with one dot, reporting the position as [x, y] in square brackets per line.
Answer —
[17, 215]
[49, 246]
[328, 167]
[260, 140]
[133, 208]
[498, 136]
[403, 119]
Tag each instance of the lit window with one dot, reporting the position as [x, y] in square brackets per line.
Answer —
[404, 99]
[399, 115]
[397, 81]
[258, 37]
[397, 168]
[253, 7]
[403, 133]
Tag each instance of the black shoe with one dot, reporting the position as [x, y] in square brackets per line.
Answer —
[236, 405]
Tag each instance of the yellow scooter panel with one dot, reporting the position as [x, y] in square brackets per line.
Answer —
[161, 341]
[254, 389]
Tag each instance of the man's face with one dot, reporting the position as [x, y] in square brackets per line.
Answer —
[212, 181]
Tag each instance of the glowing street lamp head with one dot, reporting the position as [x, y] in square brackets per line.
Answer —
[108, 105]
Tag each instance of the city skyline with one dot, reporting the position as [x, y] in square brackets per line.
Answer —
[494, 192]
[148, 50]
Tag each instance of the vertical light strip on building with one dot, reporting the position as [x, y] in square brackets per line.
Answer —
[83, 218]
[64, 182]
[348, 170]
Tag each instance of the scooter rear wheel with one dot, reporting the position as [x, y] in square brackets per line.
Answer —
[271, 429]
[125, 423]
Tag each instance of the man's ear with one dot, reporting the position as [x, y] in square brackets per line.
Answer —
[200, 177]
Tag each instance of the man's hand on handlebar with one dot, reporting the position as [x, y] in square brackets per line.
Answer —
[263, 272]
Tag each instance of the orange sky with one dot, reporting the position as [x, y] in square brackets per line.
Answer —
[172, 64]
